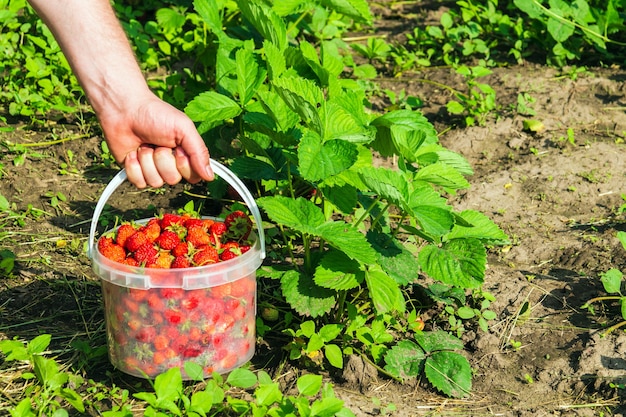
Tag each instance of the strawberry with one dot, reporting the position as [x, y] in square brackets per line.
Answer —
[124, 232]
[193, 222]
[173, 316]
[181, 262]
[218, 228]
[197, 236]
[130, 261]
[227, 255]
[146, 334]
[146, 254]
[238, 224]
[134, 241]
[163, 261]
[167, 240]
[152, 229]
[181, 249]
[206, 256]
[113, 252]
[161, 342]
[170, 219]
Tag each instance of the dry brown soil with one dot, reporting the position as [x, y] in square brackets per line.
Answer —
[557, 199]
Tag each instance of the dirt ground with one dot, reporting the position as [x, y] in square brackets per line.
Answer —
[557, 196]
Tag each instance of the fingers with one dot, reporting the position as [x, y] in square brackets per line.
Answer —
[149, 166]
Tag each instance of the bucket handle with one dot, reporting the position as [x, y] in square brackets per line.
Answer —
[218, 169]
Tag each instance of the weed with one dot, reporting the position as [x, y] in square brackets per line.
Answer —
[612, 283]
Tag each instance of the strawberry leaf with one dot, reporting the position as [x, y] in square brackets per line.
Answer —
[384, 291]
[405, 360]
[443, 175]
[211, 109]
[338, 272]
[305, 296]
[347, 239]
[395, 259]
[460, 262]
[479, 227]
[249, 75]
[438, 340]
[300, 213]
[319, 160]
[265, 21]
[450, 373]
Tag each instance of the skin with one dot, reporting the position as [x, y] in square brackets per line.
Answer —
[156, 143]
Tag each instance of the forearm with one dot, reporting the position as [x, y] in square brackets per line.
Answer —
[97, 49]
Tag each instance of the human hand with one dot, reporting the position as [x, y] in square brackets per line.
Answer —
[155, 142]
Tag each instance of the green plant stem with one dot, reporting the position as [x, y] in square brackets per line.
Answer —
[378, 368]
[615, 327]
[383, 211]
[367, 212]
[53, 142]
[297, 22]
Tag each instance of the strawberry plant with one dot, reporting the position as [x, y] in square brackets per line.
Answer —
[356, 235]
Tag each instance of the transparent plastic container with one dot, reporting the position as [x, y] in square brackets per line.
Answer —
[157, 319]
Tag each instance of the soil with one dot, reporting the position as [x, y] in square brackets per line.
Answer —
[556, 196]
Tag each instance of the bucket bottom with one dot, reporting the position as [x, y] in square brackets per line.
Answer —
[150, 331]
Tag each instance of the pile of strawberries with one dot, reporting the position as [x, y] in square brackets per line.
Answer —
[178, 241]
[152, 330]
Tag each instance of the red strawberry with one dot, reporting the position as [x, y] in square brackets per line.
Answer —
[161, 342]
[170, 219]
[206, 256]
[173, 316]
[244, 248]
[113, 252]
[152, 229]
[238, 224]
[146, 254]
[227, 255]
[167, 240]
[172, 293]
[193, 222]
[197, 236]
[181, 262]
[136, 240]
[146, 334]
[218, 228]
[124, 232]
[130, 261]
[181, 249]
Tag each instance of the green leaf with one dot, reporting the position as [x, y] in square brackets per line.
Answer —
[276, 64]
[340, 123]
[265, 21]
[169, 385]
[394, 258]
[318, 160]
[326, 407]
[347, 239]
[343, 197]
[454, 107]
[389, 184]
[194, 371]
[303, 97]
[356, 9]
[268, 394]
[460, 262]
[622, 303]
[248, 79]
[560, 29]
[254, 169]
[334, 356]
[405, 360]
[170, 19]
[429, 209]
[482, 228]
[384, 291]
[438, 340]
[201, 403]
[612, 281]
[211, 109]
[450, 373]
[309, 385]
[306, 297]
[442, 175]
[407, 141]
[241, 378]
[39, 344]
[338, 272]
[530, 7]
[209, 12]
[300, 213]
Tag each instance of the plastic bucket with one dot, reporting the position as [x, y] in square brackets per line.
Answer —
[157, 319]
